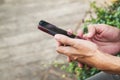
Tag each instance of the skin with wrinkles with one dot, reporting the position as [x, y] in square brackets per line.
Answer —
[88, 51]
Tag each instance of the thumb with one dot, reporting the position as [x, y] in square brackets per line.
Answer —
[91, 31]
[64, 39]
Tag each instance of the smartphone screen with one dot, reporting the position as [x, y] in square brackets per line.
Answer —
[52, 29]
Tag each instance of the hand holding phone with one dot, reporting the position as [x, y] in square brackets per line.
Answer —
[52, 29]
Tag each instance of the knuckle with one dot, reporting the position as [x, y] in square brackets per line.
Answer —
[57, 49]
[61, 50]
[65, 40]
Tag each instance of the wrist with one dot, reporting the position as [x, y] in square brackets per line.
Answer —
[105, 62]
[110, 64]
[115, 65]
[99, 60]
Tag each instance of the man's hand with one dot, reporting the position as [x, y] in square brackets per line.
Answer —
[77, 47]
[106, 37]
[87, 52]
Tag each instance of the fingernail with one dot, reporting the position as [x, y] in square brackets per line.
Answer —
[80, 65]
[69, 33]
[57, 37]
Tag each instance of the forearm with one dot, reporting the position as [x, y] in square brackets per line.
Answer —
[113, 64]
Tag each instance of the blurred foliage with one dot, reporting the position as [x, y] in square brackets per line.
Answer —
[110, 16]
[81, 73]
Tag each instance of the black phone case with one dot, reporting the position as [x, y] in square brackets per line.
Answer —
[52, 29]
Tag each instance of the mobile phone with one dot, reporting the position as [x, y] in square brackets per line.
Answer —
[52, 29]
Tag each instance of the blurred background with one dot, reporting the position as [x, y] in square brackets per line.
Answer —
[25, 52]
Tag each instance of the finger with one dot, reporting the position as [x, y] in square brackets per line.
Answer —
[80, 65]
[91, 32]
[80, 33]
[68, 59]
[64, 39]
[68, 51]
[58, 43]
[69, 31]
